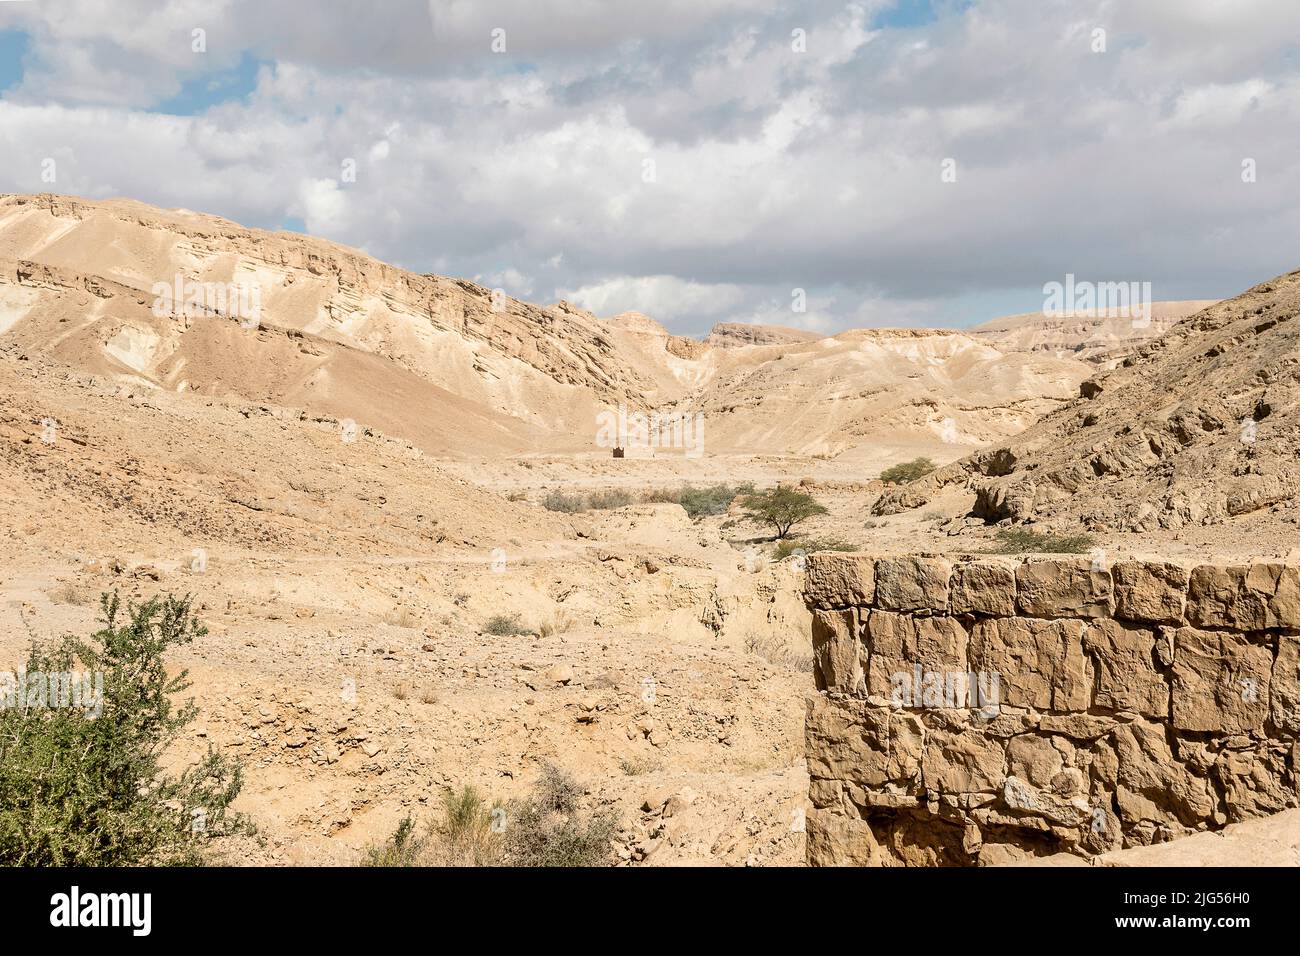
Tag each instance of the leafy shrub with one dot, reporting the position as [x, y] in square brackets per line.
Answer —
[567, 504]
[1023, 540]
[84, 786]
[505, 625]
[907, 471]
[701, 502]
[782, 508]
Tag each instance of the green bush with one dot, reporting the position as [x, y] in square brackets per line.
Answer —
[1024, 540]
[702, 502]
[782, 508]
[403, 848]
[907, 471]
[84, 786]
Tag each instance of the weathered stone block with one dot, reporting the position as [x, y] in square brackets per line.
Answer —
[1124, 658]
[962, 763]
[836, 579]
[1034, 759]
[837, 652]
[1284, 685]
[855, 742]
[1239, 597]
[1254, 782]
[1063, 588]
[1040, 663]
[1284, 608]
[913, 584]
[1147, 767]
[837, 840]
[983, 587]
[1220, 682]
[1150, 591]
[899, 643]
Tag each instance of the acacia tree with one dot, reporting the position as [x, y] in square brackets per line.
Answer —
[782, 508]
[84, 785]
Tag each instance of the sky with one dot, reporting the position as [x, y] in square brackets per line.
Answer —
[818, 165]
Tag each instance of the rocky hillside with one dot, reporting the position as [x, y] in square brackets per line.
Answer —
[455, 368]
[1092, 336]
[1200, 426]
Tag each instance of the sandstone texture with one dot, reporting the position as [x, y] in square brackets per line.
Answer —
[1014, 711]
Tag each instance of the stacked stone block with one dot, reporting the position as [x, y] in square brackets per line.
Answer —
[1130, 704]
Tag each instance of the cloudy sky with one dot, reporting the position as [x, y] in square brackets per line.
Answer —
[903, 162]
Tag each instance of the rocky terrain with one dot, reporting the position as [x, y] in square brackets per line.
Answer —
[353, 482]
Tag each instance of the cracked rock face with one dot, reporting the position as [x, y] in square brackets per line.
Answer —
[1196, 427]
[1026, 709]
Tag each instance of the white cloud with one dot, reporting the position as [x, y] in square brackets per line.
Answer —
[773, 169]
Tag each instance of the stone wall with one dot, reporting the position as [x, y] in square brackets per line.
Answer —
[976, 711]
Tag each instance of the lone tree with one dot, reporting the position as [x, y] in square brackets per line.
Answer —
[782, 508]
[82, 781]
[906, 471]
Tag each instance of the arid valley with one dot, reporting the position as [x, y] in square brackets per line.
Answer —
[422, 568]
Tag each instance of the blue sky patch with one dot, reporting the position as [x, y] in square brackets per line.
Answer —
[908, 14]
[200, 93]
[13, 47]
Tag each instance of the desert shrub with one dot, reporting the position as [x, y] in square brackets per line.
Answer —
[662, 496]
[401, 616]
[403, 848]
[701, 502]
[1023, 540]
[505, 625]
[84, 786]
[608, 500]
[639, 766]
[547, 828]
[466, 837]
[788, 546]
[567, 504]
[775, 652]
[907, 471]
[560, 623]
[782, 508]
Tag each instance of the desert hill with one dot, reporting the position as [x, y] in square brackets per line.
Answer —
[455, 369]
[1092, 335]
[1197, 427]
